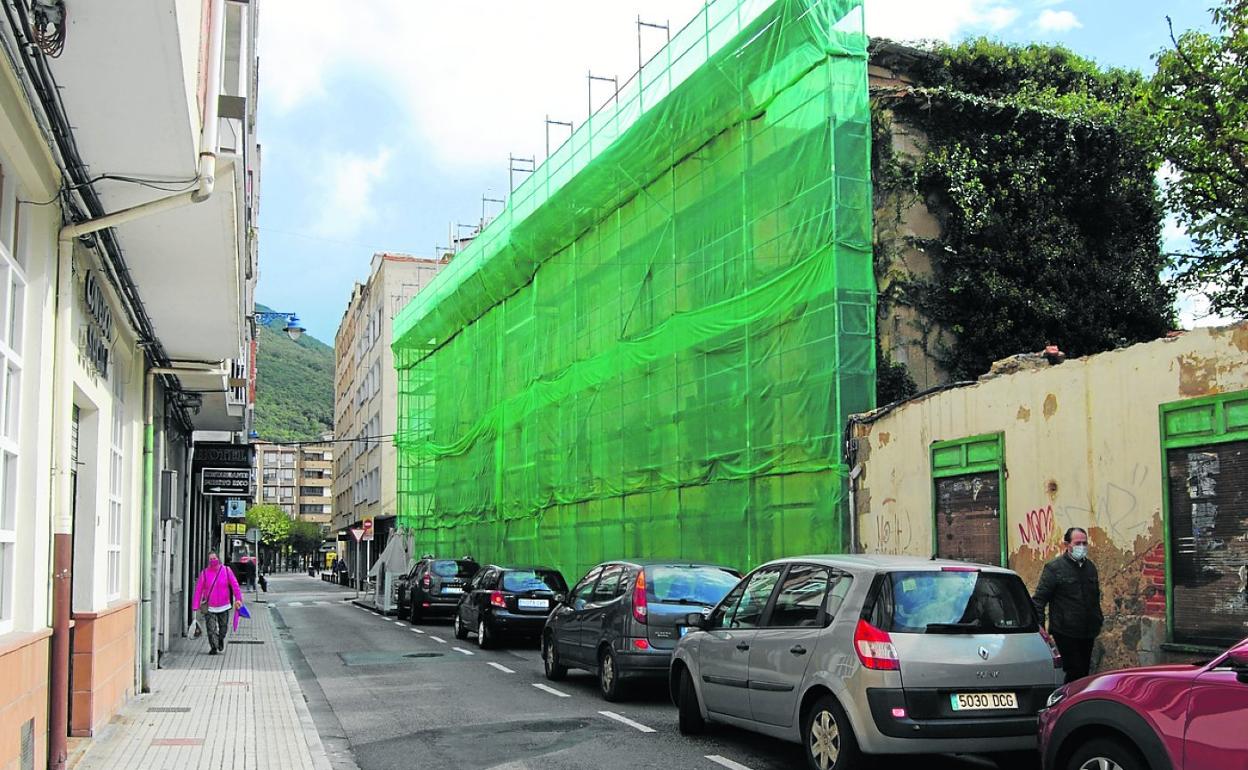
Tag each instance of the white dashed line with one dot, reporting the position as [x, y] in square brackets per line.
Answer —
[461, 649]
[321, 604]
[398, 622]
[500, 667]
[638, 726]
[552, 691]
[415, 630]
[725, 762]
[294, 604]
[436, 639]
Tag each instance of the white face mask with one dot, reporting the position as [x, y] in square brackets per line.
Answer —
[1080, 552]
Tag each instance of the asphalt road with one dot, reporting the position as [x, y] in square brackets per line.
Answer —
[386, 695]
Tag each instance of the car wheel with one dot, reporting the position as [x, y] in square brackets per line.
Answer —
[461, 633]
[1105, 754]
[609, 683]
[555, 671]
[691, 721]
[828, 738]
[485, 639]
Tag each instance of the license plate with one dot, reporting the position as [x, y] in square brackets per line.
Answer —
[534, 604]
[452, 590]
[983, 701]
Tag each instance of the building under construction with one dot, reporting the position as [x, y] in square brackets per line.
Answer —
[652, 351]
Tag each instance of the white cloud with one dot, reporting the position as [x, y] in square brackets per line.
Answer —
[1057, 21]
[348, 199]
[926, 20]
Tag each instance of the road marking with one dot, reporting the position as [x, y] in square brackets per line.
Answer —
[398, 622]
[501, 667]
[415, 630]
[321, 604]
[552, 691]
[725, 762]
[638, 726]
[294, 604]
[461, 649]
[436, 639]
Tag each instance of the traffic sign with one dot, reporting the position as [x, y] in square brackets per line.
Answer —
[367, 524]
[357, 533]
[228, 482]
[235, 508]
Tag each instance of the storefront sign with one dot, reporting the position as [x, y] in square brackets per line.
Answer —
[230, 482]
[97, 337]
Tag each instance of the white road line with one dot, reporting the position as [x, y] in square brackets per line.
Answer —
[415, 630]
[638, 726]
[294, 604]
[321, 604]
[461, 649]
[725, 762]
[501, 667]
[552, 691]
[436, 639]
[398, 622]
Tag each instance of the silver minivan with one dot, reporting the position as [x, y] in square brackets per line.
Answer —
[853, 655]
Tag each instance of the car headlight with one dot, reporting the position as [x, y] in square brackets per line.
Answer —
[1055, 697]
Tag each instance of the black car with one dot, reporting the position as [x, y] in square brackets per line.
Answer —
[509, 602]
[623, 619]
[435, 585]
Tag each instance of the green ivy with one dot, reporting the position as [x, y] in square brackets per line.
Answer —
[1046, 194]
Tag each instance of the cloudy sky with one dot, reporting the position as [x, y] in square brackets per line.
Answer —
[384, 122]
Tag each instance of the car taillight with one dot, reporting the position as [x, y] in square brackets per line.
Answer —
[1057, 656]
[639, 598]
[426, 581]
[497, 600]
[875, 648]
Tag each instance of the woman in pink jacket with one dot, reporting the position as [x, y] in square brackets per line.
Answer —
[214, 588]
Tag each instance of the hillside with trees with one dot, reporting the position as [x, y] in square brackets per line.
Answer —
[294, 385]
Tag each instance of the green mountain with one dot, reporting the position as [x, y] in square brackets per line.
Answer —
[294, 385]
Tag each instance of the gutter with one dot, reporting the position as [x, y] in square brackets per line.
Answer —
[62, 386]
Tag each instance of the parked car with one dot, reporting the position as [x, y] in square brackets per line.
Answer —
[621, 620]
[435, 586]
[403, 587]
[853, 655]
[508, 602]
[1179, 717]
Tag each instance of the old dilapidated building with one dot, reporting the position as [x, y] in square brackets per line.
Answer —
[1146, 447]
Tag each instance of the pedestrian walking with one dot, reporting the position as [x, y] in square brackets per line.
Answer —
[1070, 589]
[215, 588]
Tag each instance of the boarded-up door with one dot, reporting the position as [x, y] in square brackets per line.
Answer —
[1208, 489]
[968, 517]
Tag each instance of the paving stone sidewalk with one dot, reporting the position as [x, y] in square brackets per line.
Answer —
[242, 709]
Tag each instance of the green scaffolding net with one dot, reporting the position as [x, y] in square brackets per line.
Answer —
[651, 352]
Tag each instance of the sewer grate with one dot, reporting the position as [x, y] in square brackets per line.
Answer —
[380, 658]
[169, 709]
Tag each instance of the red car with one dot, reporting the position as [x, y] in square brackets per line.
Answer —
[1158, 718]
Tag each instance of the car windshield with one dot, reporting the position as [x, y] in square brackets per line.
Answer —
[449, 568]
[533, 580]
[703, 586]
[954, 601]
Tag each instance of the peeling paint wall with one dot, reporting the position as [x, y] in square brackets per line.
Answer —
[1082, 448]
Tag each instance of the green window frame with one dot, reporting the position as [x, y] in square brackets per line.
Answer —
[1193, 422]
[984, 453]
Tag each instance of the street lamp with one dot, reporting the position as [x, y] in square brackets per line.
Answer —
[293, 329]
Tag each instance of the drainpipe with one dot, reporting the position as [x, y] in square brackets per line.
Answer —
[62, 387]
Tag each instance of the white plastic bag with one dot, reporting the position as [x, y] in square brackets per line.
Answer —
[195, 630]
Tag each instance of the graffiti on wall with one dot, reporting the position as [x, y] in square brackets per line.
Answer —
[1038, 531]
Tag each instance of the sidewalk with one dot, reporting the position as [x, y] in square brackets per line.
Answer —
[240, 710]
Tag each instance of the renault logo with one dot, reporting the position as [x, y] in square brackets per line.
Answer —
[983, 653]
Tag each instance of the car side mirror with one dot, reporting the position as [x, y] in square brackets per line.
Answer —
[696, 620]
[560, 599]
[1238, 660]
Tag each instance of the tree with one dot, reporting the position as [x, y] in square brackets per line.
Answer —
[273, 522]
[1198, 103]
[305, 537]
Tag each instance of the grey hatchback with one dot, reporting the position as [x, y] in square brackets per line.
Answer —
[621, 620]
[870, 654]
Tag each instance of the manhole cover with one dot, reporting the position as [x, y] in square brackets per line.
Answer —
[396, 657]
[423, 655]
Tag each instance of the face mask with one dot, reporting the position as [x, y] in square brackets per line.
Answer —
[214, 563]
[1080, 552]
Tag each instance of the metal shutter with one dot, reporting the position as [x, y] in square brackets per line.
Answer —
[968, 518]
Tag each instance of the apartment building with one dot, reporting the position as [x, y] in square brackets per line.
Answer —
[124, 339]
[365, 395]
[297, 477]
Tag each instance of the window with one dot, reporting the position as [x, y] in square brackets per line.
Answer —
[582, 591]
[12, 294]
[609, 583]
[116, 487]
[953, 602]
[270, 458]
[743, 608]
[286, 493]
[689, 585]
[288, 474]
[523, 580]
[270, 493]
[968, 481]
[799, 602]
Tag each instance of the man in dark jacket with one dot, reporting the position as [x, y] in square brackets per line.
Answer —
[1070, 589]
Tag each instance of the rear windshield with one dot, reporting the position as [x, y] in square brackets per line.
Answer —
[449, 568]
[703, 586]
[533, 580]
[948, 602]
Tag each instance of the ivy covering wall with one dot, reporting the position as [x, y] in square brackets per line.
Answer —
[1047, 200]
